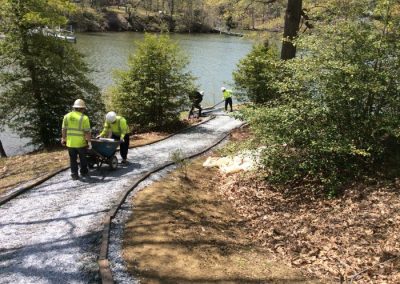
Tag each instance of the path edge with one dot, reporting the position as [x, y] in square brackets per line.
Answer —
[45, 178]
[103, 261]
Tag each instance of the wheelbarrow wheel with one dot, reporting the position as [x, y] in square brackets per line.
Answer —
[113, 163]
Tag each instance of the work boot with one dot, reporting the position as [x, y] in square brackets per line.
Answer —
[74, 176]
[124, 161]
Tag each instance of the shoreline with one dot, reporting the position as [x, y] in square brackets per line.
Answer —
[113, 19]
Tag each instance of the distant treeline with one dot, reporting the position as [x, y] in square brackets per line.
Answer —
[176, 15]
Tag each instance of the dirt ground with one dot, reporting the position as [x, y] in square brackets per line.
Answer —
[18, 170]
[182, 231]
[213, 228]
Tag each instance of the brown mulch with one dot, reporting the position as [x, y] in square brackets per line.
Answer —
[353, 239]
[182, 232]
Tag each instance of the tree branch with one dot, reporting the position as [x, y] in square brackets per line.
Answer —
[265, 2]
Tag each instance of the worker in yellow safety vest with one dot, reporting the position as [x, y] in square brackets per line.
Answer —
[115, 127]
[227, 95]
[76, 136]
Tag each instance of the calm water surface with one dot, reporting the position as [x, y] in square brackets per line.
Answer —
[212, 58]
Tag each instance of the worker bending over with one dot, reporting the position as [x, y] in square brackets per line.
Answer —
[76, 136]
[196, 97]
[115, 127]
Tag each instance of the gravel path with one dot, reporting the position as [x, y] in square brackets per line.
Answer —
[52, 233]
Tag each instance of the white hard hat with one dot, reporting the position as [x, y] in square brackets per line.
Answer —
[111, 117]
[201, 92]
[223, 89]
[79, 104]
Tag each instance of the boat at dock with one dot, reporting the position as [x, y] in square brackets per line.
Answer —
[227, 32]
[59, 33]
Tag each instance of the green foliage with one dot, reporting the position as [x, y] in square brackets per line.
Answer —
[179, 159]
[257, 73]
[248, 13]
[87, 19]
[339, 119]
[153, 92]
[40, 75]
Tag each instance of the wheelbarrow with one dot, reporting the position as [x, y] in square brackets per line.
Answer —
[103, 152]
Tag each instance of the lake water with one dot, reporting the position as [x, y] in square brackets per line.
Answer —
[212, 57]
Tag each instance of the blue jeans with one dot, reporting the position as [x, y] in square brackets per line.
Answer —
[73, 159]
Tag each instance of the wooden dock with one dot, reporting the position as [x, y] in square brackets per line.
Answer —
[226, 32]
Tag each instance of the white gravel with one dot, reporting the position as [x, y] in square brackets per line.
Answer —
[52, 233]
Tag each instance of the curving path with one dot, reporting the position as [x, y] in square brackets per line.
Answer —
[52, 233]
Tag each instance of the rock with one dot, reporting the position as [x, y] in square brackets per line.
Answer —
[117, 22]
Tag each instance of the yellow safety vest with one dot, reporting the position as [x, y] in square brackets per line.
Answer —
[227, 94]
[76, 124]
[118, 128]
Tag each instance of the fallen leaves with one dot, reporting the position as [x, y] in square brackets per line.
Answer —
[352, 238]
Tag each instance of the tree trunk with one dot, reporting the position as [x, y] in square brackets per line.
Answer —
[162, 5]
[172, 7]
[292, 23]
[2, 152]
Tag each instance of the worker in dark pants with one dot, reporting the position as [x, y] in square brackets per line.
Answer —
[123, 147]
[196, 99]
[76, 136]
[227, 94]
[115, 127]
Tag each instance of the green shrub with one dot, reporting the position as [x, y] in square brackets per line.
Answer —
[257, 74]
[153, 92]
[339, 120]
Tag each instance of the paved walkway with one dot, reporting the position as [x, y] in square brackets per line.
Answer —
[51, 234]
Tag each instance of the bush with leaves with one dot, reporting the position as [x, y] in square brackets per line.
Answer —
[153, 92]
[341, 119]
[256, 75]
[40, 75]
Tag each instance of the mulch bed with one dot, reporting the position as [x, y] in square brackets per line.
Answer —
[351, 239]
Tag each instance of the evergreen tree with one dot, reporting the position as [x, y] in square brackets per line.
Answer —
[153, 92]
[257, 73]
[40, 75]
